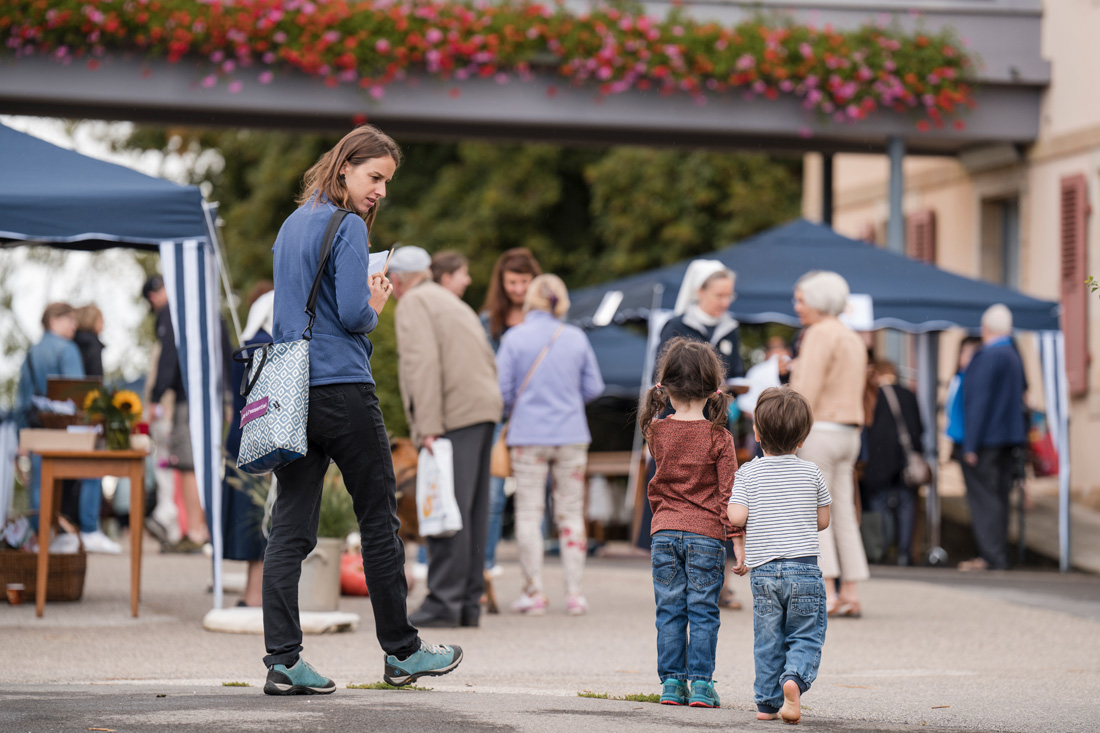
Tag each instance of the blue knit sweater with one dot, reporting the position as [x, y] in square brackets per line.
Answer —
[340, 351]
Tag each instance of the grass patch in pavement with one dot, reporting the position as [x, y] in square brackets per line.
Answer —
[641, 697]
[236, 684]
[387, 686]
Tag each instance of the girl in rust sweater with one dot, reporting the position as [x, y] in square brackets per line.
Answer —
[696, 461]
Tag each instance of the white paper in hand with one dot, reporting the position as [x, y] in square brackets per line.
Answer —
[436, 507]
[377, 261]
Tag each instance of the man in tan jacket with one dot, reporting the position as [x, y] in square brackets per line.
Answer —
[448, 379]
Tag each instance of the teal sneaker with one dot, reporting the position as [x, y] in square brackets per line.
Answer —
[431, 660]
[301, 679]
[674, 692]
[703, 695]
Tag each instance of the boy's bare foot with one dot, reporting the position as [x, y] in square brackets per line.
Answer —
[767, 716]
[791, 712]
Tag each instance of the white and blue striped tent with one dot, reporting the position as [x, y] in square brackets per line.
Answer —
[60, 198]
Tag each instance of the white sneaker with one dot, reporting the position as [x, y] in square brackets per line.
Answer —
[64, 544]
[420, 571]
[99, 542]
[496, 571]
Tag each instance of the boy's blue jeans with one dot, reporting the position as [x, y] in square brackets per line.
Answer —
[788, 619]
[688, 572]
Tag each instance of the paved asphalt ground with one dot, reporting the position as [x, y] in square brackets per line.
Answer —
[936, 650]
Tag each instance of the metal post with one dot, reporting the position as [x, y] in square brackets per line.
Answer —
[927, 382]
[211, 212]
[895, 227]
[647, 380]
[827, 189]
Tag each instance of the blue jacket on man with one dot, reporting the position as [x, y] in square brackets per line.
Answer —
[340, 351]
[993, 398]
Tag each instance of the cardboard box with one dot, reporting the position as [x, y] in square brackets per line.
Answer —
[32, 439]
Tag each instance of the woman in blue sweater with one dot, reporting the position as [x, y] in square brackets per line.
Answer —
[345, 422]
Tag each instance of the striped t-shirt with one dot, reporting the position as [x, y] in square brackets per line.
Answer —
[782, 494]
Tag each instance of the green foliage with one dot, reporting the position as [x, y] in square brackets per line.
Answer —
[337, 515]
[655, 207]
[639, 697]
[236, 684]
[1092, 284]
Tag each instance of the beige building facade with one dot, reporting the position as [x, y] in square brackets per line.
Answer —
[1024, 216]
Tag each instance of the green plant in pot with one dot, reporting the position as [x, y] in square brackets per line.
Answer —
[319, 587]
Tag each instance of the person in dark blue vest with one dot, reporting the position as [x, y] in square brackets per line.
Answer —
[702, 313]
[995, 426]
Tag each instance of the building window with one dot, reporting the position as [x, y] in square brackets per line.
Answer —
[1000, 253]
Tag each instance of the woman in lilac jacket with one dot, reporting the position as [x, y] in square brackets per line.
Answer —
[548, 432]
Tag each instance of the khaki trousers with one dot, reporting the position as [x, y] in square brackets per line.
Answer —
[835, 451]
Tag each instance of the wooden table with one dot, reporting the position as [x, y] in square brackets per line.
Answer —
[57, 465]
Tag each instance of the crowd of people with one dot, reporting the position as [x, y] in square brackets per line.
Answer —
[518, 374]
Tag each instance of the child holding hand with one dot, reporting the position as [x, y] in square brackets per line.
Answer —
[695, 461]
[782, 502]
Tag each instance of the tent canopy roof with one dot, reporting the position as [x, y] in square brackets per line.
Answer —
[907, 295]
[60, 197]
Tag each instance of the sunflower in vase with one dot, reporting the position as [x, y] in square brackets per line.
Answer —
[117, 411]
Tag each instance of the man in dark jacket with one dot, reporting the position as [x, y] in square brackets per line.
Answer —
[883, 477]
[993, 413]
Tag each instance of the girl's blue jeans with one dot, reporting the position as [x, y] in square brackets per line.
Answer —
[789, 620]
[688, 572]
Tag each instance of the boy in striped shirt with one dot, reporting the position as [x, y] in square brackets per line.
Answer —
[782, 502]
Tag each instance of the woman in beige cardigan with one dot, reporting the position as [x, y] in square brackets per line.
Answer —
[830, 372]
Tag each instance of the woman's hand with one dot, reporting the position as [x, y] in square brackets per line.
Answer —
[380, 289]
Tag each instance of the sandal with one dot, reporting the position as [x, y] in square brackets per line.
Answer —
[977, 564]
[847, 610]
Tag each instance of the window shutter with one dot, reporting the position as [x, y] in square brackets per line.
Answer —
[1072, 233]
[920, 236]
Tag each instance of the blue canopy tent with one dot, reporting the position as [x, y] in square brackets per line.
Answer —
[60, 198]
[905, 294]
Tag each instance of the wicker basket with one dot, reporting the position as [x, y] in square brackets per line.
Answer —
[53, 421]
[65, 581]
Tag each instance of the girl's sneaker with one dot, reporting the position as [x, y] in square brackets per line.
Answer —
[674, 692]
[576, 605]
[530, 604]
[703, 695]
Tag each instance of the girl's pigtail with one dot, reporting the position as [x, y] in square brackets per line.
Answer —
[652, 404]
[719, 403]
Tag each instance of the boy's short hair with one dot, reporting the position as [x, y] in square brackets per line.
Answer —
[782, 419]
[447, 262]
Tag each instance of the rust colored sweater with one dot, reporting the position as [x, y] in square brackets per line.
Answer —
[690, 491]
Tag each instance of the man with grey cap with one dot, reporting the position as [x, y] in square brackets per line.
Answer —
[448, 380]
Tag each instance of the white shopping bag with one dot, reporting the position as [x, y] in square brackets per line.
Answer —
[436, 507]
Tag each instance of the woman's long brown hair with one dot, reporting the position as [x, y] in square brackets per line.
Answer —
[687, 370]
[358, 146]
[518, 260]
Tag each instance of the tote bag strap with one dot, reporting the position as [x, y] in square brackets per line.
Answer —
[334, 222]
[538, 360]
[903, 428]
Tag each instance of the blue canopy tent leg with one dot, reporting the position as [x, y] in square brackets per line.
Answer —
[190, 277]
[1052, 350]
[656, 321]
[928, 344]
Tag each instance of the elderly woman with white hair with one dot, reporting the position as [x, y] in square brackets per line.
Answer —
[548, 372]
[831, 373]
